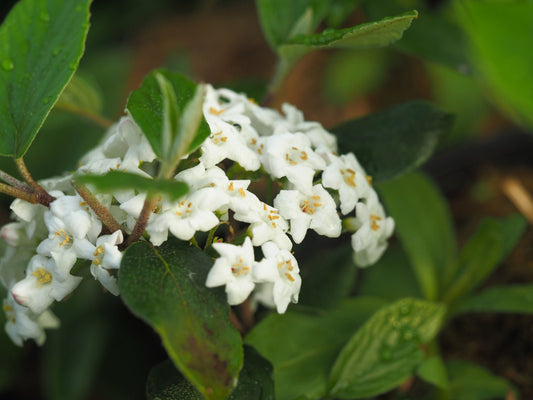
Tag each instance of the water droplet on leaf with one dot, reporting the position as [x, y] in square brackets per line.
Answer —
[405, 310]
[72, 65]
[47, 99]
[56, 51]
[7, 64]
[385, 353]
[44, 16]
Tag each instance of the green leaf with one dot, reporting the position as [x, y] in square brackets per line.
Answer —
[483, 252]
[302, 346]
[470, 381]
[118, 180]
[433, 371]
[382, 279]
[41, 43]
[167, 107]
[281, 19]
[165, 286]
[393, 141]
[255, 381]
[506, 299]
[365, 36]
[329, 275]
[500, 35]
[80, 97]
[385, 350]
[424, 225]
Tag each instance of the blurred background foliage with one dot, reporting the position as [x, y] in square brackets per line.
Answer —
[471, 58]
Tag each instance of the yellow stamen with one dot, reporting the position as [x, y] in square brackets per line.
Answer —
[215, 111]
[42, 275]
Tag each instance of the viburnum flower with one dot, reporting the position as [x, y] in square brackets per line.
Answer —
[316, 211]
[373, 229]
[107, 256]
[43, 284]
[280, 268]
[234, 269]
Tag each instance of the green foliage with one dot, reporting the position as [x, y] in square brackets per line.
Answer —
[393, 141]
[168, 108]
[302, 346]
[80, 97]
[365, 36]
[500, 39]
[507, 299]
[433, 370]
[423, 224]
[386, 349]
[485, 249]
[165, 286]
[255, 381]
[119, 180]
[472, 382]
[41, 43]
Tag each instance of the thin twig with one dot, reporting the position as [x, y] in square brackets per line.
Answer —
[30, 197]
[103, 213]
[236, 323]
[14, 182]
[140, 225]
[42, 195]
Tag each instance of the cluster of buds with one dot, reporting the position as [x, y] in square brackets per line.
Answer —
[311, 188]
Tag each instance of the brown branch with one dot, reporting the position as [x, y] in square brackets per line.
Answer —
[519, 196]
[30, 197]
[140, 225]
[42, 195]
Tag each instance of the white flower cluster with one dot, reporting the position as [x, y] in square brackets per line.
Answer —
[318, 189]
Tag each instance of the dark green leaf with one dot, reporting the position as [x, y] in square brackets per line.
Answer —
[433, 371]
[470, 381]
[161, 108]
[424, 225]
[382, 278]
[364, 36]
[80, 97]
[165, 286]
[507, 299]
[432, 26]
[281, 19]
[41, 43]
[329, 275]
[485, 249]
[302, 346]
[385, 350]
[117, 180]
[391, 142]
[500, 34]
[255, 381]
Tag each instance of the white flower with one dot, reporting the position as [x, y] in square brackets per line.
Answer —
[316, 211]
[267, 225]
[43, 284]
[290, 155]
[348, 177]
[107, 256]
[234, 269]
[374, 228]
[22, 324]
[280, 268]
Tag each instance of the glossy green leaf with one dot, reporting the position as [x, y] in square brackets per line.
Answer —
[505, 299]
[385, 350]
[165, 286]
[393, 141]
[281, 19]
[483, 252]
[41, 43]
[80, 97]
[424, 225]
[302, 346]
[167, 107]
[500, 34]
[255, 381]
[470, 381]
[365, 36]
[433, 370]
[329, 275]
[118, 180]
